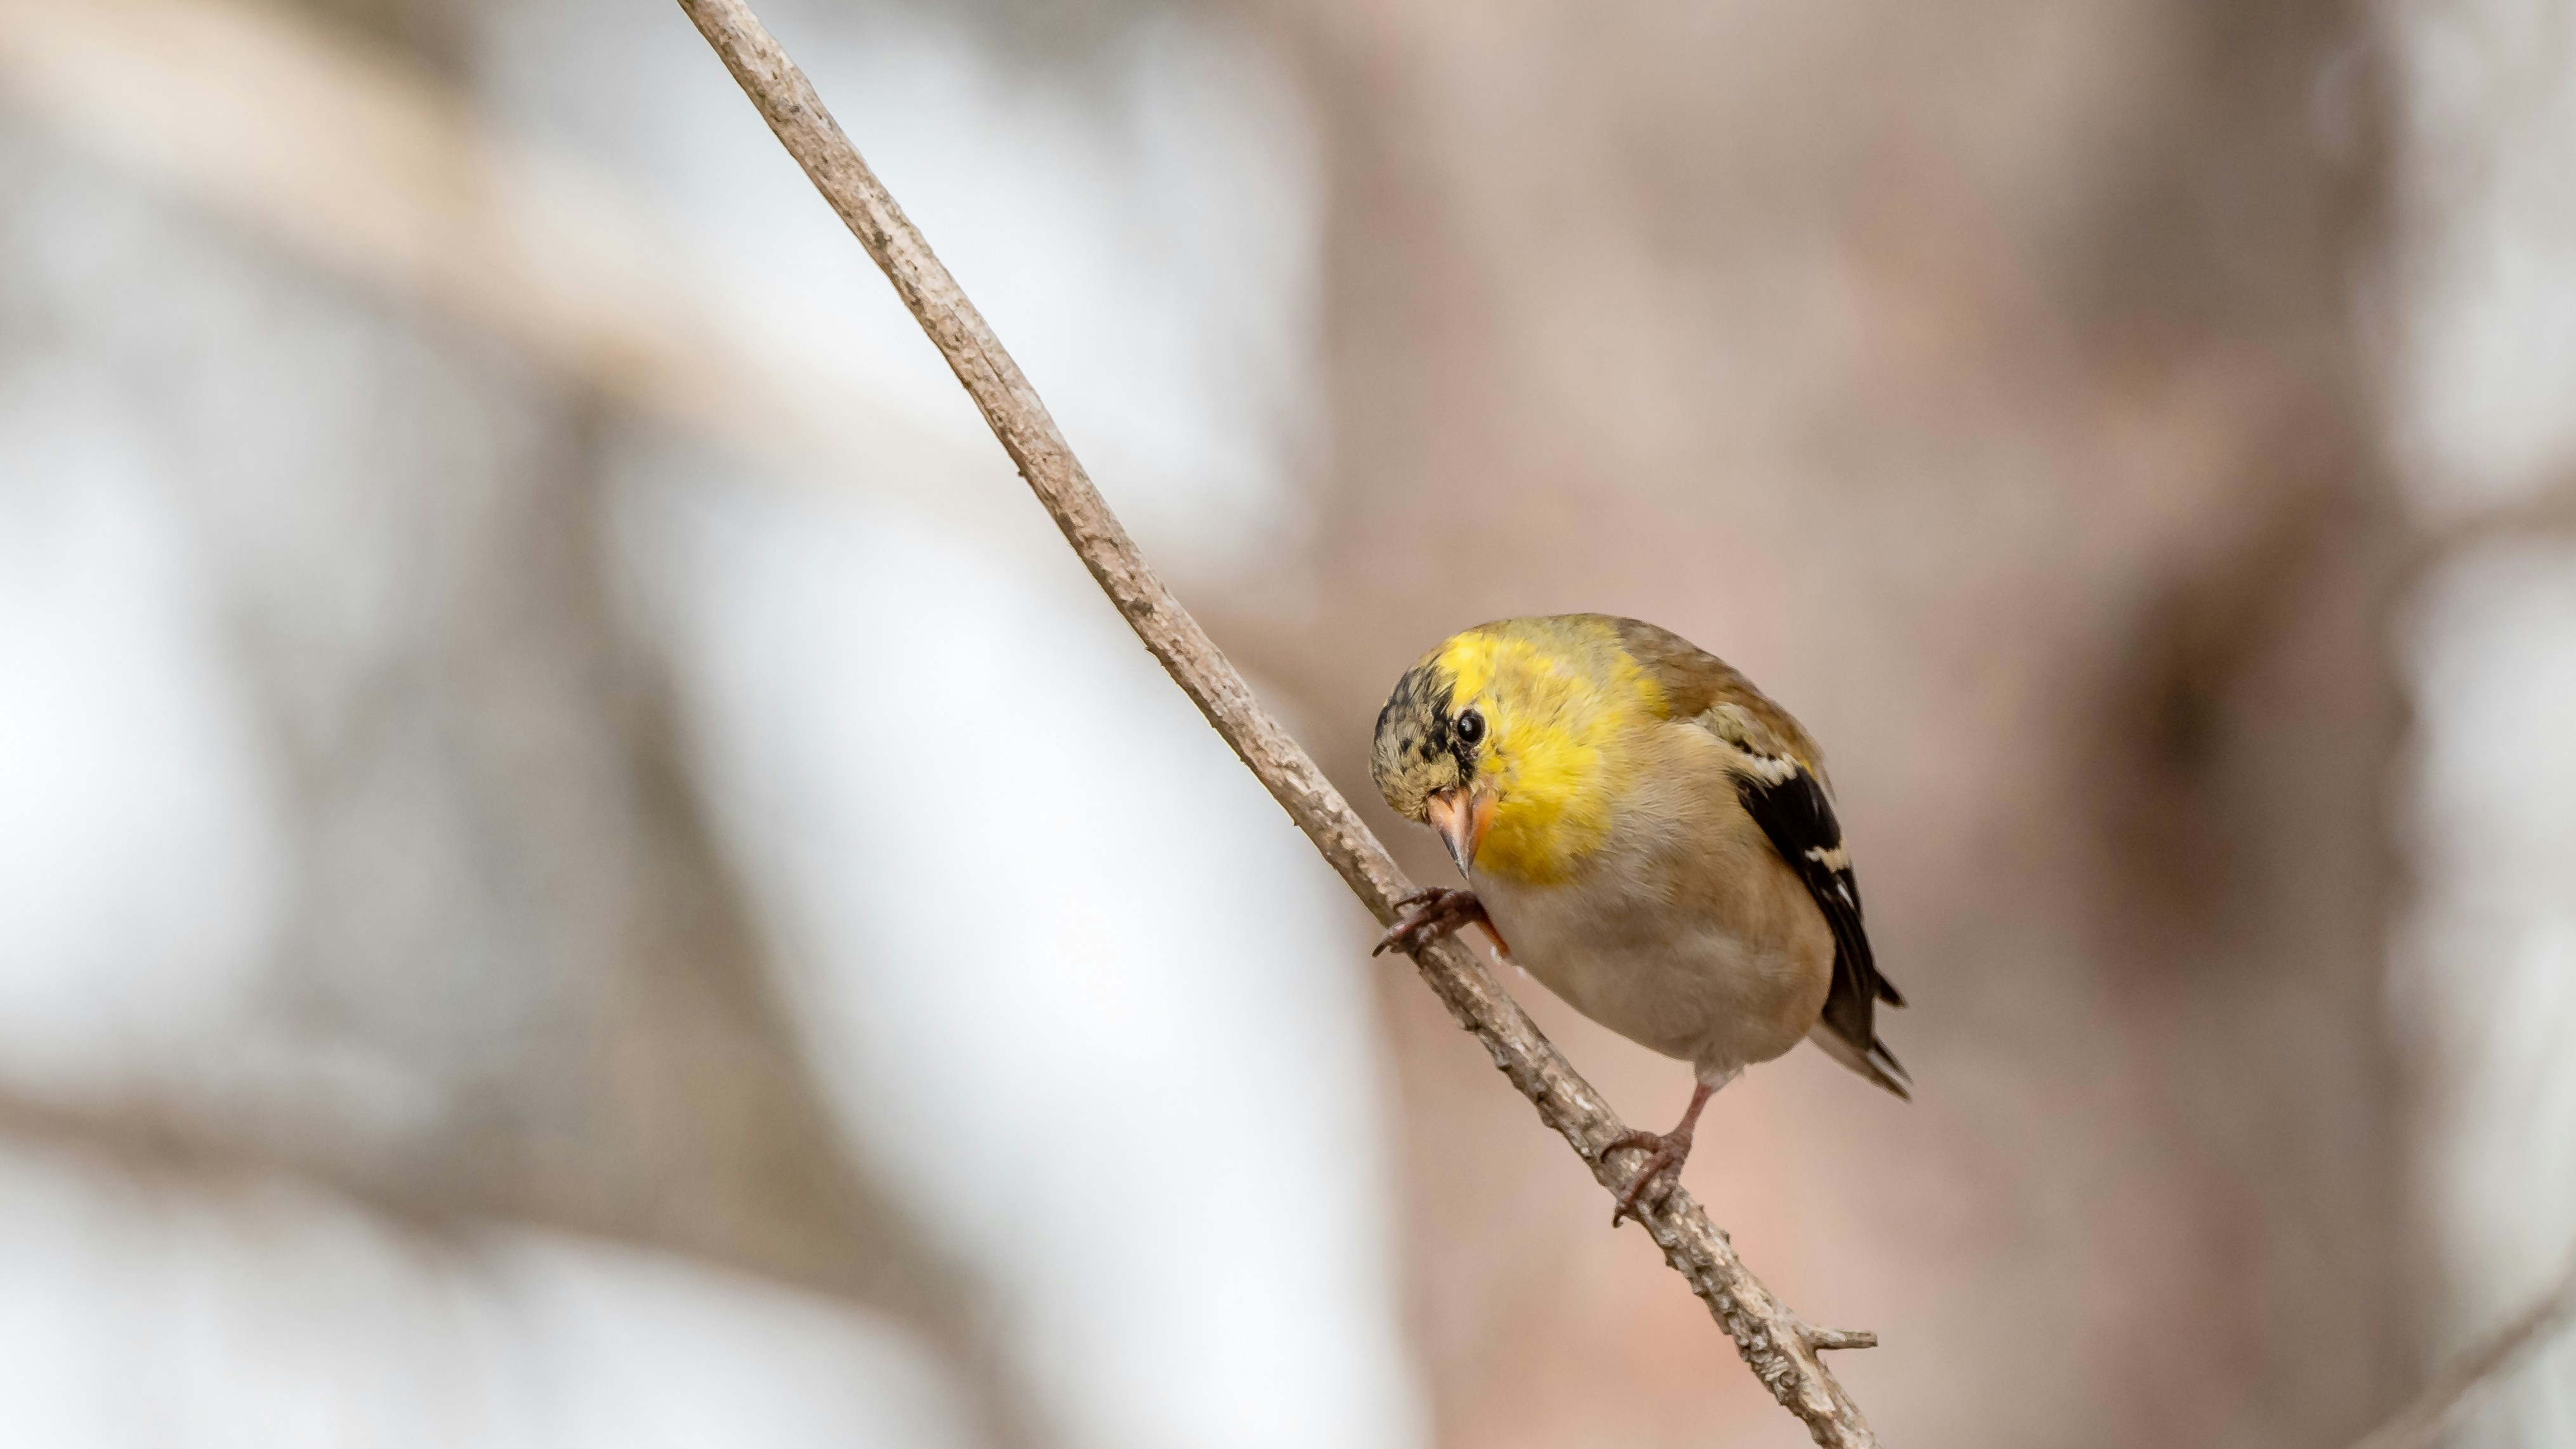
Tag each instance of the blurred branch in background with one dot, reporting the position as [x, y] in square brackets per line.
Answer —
[2547, 510]
[1781, 1351]
[2420, 1425]
[507, 908]
[372, 169]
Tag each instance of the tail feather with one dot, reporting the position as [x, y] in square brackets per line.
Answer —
[1874, 1061]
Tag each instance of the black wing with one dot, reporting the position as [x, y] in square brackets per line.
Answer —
[1791, 808]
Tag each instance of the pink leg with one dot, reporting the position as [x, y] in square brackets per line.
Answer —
[1665, 1153]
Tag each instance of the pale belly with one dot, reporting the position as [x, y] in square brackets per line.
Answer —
[1733, 978]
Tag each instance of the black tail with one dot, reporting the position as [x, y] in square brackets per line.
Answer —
[1848, 1031]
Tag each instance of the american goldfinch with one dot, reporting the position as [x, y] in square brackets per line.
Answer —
[1649, 836]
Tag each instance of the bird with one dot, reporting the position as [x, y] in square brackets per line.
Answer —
[1647, 834]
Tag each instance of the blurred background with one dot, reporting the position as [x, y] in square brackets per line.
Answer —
[578, 866]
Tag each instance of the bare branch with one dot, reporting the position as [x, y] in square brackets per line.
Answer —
[2419, 1424]
[1780, 1350]
[1821, 1339]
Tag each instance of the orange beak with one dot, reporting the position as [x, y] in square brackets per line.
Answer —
[1462, 818]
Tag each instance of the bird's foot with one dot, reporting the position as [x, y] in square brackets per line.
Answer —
[1660, 1174]
[1429, 914]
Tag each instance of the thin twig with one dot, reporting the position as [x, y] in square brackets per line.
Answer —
[2419, 1424]
[1779, 1348]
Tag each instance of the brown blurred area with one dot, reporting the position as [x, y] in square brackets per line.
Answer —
[1982, 379]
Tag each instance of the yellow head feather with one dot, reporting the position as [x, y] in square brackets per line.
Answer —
[1562, 701]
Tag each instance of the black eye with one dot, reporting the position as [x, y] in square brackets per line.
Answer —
[1471, 726]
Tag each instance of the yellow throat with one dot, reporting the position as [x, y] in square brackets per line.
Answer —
[1564, 704]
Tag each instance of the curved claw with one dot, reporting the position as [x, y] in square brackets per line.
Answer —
[1436, 911]
[1665, 1153]
[1656, 1179]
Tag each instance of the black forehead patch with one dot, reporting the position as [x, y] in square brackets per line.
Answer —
[1418, 711]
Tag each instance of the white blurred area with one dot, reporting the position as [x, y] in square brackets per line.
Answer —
[255, 1313]
[2488, 992]
[1085, 963]
[2483, 998]
[143, 869]
[1139, 224]
[342, 979]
